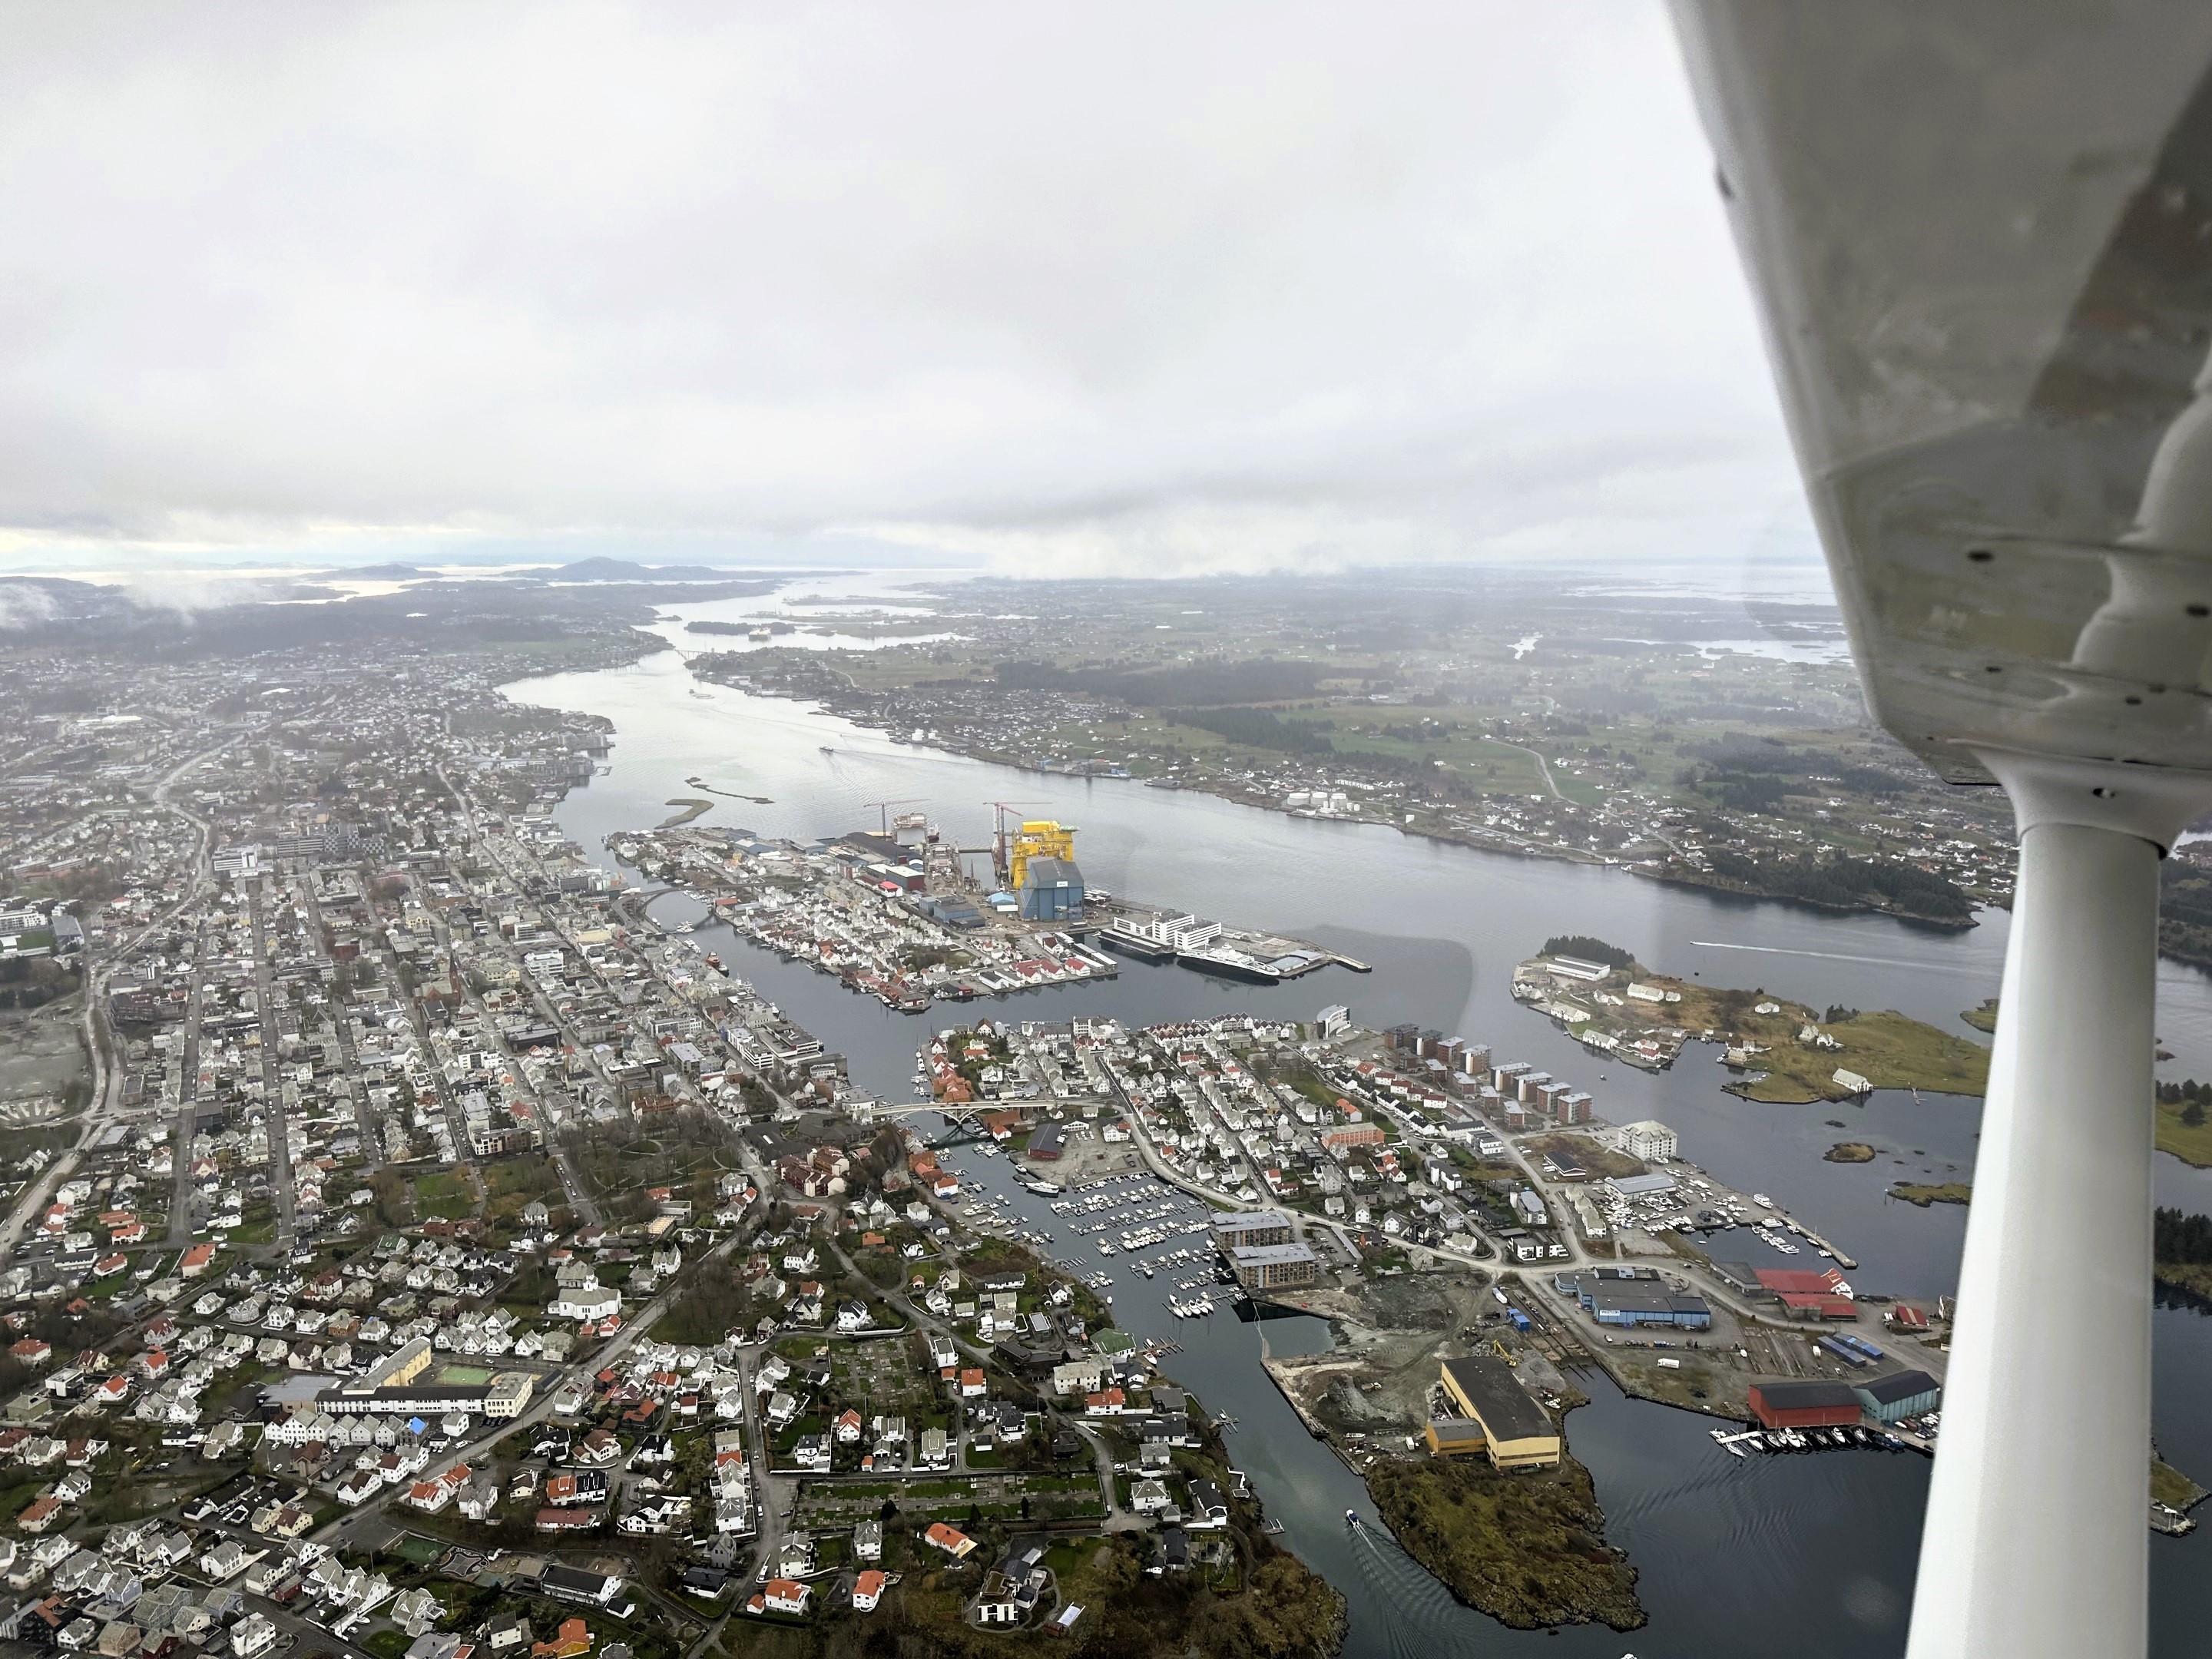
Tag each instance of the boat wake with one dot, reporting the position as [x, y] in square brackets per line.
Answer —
[1824, 955]
[1426, 1619]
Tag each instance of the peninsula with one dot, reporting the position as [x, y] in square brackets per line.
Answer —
[1780, 1052]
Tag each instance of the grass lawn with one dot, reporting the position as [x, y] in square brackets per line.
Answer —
[1598, 1160]
[1884, 1048]
[521, 1178]
[446, 1195]
[421, 1551]
[2192, 1144]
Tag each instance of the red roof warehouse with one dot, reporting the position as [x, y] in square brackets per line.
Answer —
[1788, 1281]
[1810, 1294]
[1804, 1404]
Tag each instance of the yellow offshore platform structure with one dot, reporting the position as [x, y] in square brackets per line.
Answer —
[1037, 838]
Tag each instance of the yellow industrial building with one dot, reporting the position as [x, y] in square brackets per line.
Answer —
[1037, 838]
[1492, 1413]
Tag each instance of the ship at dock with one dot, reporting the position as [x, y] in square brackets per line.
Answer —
[1208, 947]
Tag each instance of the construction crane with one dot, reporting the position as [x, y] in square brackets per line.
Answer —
[998, 811]
[883, 808]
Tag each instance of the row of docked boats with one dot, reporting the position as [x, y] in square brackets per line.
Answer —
[1838, 1439]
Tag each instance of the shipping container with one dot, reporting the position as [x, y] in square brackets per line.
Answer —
[1843, 1351]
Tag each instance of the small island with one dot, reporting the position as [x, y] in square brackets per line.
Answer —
[1924, 1194]
[1780, 1052]
[693, 807]
[1528, 1548]
[1849, 1151]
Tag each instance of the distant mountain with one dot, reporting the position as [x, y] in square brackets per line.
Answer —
[375, 572]
[622, 570]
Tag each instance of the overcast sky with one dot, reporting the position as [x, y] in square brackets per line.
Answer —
[1128, 289]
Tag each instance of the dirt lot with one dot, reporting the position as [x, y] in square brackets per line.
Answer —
[1392, 1334]
[1087, 1158]
[40, 1056]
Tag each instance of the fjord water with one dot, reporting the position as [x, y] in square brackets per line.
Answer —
[1810, 1555]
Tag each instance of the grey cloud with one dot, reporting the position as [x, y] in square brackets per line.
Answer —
[1219, 287]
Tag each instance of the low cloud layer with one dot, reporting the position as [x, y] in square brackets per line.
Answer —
[1146, 288]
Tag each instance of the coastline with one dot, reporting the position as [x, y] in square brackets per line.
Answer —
[1222, 789]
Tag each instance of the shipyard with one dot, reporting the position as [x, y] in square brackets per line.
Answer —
[903, 915]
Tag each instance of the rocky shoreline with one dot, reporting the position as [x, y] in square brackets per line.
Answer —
[1528, 1548]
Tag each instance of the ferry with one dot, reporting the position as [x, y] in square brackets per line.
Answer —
[1118, 936]
[1230, 964]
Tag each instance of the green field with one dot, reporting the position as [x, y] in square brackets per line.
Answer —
[2190, 1142]
[463, 1376]
[446, 1194]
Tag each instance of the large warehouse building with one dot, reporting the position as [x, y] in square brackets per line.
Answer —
[1628, 1296]
[1051, 890]
[1492, 1412]
[1903, 1393]
[1805, 1405]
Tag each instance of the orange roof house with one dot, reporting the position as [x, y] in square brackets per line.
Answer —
[785, 1594]
[572, 1640]
[954, 1541]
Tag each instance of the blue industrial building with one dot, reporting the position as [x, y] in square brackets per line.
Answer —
[952, 911]
[1052, 890]
[1907, 1393]
[1627, 1297]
